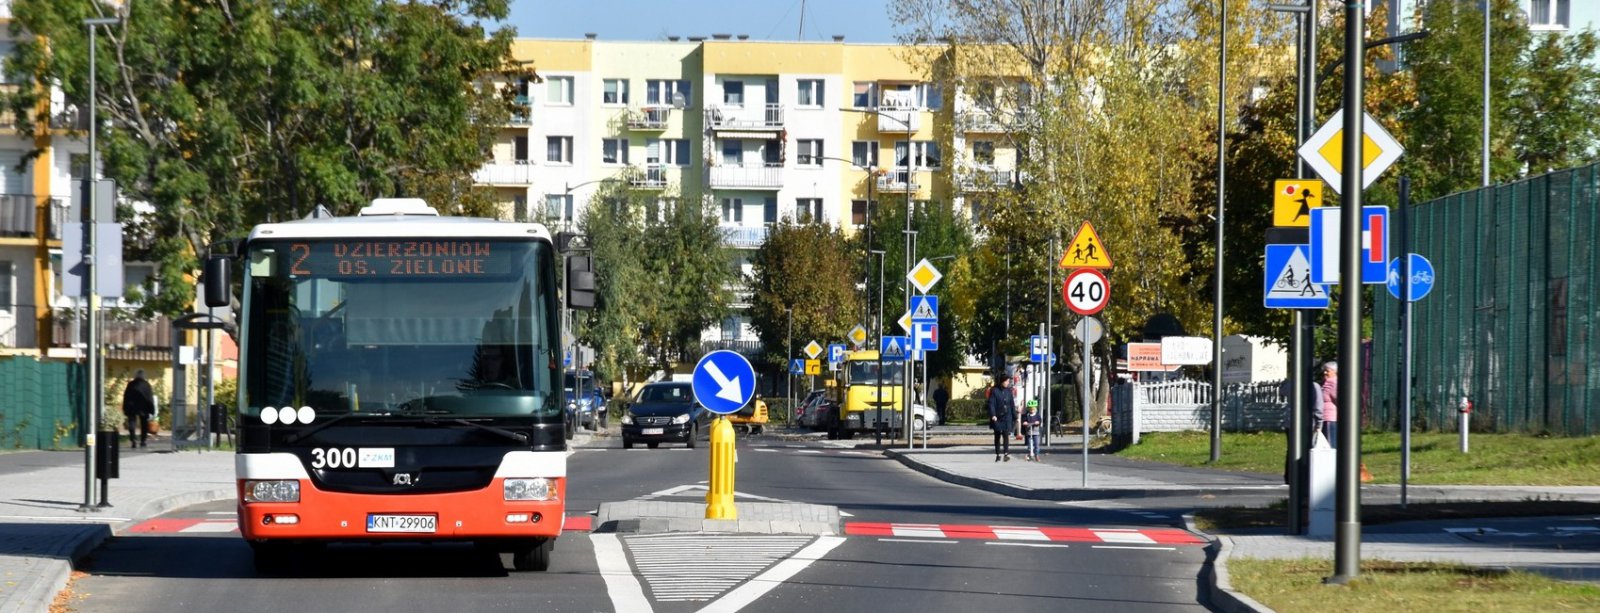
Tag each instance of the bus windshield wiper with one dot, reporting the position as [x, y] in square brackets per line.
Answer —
[301, 435]
[516, 436]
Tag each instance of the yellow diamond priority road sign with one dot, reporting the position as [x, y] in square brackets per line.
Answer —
[858, 335]
[813, 350]
[924, 276]
[1324, 151]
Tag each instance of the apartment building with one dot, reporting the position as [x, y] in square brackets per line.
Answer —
[1544, 16]
[765, 130]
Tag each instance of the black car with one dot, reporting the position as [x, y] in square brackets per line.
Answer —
[664, 412]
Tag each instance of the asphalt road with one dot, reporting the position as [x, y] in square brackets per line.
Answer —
[205, 566]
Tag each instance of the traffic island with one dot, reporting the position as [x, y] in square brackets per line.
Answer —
[653, 516]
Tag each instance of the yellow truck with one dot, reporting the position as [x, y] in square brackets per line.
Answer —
[869, 401]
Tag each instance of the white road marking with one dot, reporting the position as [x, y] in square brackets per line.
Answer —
[222, 512]
[1126, 547]
[98, 519]
[893, 540]
[745, 594]
[1019, 534]
[809, 451]
[1123, 536]
[1060, 545]
[917, 530]
[621, 585]
[212, 526]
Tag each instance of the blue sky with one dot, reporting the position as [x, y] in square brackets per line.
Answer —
[862, 21]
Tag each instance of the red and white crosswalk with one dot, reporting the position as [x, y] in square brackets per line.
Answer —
[1112, 536]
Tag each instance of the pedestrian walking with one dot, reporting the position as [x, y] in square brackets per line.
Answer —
[941, 398]
[138, 405]
[1030, 429]
[1330, 403]
[1002, 415]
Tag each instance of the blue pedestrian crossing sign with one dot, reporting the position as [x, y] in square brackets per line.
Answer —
[797, 366]
[723, 382]
[1288, 280]
[836, 353]
[924, 309]
[895, 348]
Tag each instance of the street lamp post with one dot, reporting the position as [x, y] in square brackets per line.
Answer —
[879, 326]
[788, 350]
[91, 268]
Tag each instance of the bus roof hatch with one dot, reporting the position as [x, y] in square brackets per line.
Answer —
[399, 206]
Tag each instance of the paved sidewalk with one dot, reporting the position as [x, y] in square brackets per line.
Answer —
[42, 532]
[1060, 477]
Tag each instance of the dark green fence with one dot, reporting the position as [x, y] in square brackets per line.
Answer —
[1512, 320]
[40, 403]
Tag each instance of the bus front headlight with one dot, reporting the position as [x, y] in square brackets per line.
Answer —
[277, 490]
[537, 488]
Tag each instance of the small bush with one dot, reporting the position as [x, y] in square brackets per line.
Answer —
[967, 410]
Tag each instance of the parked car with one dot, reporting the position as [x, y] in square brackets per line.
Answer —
[812, 410]
[664, 412]
[585, 410]
[923, 416]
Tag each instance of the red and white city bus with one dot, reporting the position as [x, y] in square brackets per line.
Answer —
[400, 380]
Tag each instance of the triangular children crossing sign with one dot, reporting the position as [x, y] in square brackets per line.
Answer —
[1086, 250]
[1288, 280]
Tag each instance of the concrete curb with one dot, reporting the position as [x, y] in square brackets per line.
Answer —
[1054, 494]
[1218, 587]
[56, 571]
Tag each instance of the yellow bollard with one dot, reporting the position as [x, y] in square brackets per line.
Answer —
[719, 498]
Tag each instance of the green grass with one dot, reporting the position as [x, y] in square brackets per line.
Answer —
[1494, 459]
[1289, 586]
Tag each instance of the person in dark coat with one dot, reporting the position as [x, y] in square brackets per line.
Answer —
[1002, 416]
[941, 399]
[138, 404]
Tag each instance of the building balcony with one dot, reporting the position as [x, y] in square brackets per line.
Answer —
[752, 118]
[123, 337]
[979, 122]
[648, 118]
[648, 176]
[747, 177]
[897, 181]
[504, 174]
[898, 119]
[19, 216]
[744, 237]
[983, 179]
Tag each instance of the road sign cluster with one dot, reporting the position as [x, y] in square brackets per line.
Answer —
[1086, 290]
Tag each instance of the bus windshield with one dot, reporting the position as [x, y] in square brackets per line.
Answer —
[865, 372]
[401, 327]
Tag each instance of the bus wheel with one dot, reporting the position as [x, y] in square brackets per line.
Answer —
[534, 557]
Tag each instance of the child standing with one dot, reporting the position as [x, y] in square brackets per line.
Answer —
[1030, 429]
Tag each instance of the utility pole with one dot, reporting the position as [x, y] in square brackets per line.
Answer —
[1488, 10]
[92, 405]
[1347, 503]
[1222, 173]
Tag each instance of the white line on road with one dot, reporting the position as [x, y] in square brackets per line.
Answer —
[914, 541]
[1130, 547]
[99, 519]
[745, 594]
[1014, 544]
[623, 587]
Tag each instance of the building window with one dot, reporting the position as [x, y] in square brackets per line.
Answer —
[615, 92]
[519, 209]
[810, 153]
[930, 96]
[558, 149]
[866, 95]
[558, 207]
[769, 210]
[614, 151]
[925, 154]
[677, 152]
[810, 93]
[983, 152]
[864, 153]
[772, 153]
[519, 148]
[860, 212]
[1550, 14]
[730, 329]
[663, 92]
[560, 92]
[732, 153]
[732, 210]
[808, 210]
[8, 294]
[977, 210]
[733, 93]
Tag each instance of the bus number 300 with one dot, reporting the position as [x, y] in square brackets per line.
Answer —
[333, 458]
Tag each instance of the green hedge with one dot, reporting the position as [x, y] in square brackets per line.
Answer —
[967, 411]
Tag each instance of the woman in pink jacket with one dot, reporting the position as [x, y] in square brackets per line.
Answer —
[1330, 403]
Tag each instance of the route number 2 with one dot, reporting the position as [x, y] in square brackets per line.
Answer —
[1086, 291]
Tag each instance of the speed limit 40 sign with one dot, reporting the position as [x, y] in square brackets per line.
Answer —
[1086, 291]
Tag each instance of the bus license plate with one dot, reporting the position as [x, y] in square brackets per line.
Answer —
[650, 431]
[402, 523]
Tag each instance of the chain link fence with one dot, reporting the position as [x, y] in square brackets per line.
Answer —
[1510, 323]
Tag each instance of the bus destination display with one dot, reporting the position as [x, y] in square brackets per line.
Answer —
[403, 258]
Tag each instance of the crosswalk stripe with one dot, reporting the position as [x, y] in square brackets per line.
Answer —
[1120, 536]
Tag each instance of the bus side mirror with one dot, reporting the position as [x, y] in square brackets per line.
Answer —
[218, 287]
[580, 282]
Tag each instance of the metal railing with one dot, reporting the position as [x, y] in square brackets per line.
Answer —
[650, 176]
[764, 117]
[503, 174]
[749, 177]
[649, 118]
[744, 237]
[898, 181]
[984, 179]
[982, 122]
[898, 119]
